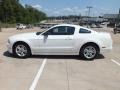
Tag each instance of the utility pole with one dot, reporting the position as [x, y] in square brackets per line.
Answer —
[119, 16]
[89, 10]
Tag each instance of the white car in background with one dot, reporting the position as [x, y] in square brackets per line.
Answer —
[64, 39]
[20, 26]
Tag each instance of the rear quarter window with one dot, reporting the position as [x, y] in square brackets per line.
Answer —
[82, 30]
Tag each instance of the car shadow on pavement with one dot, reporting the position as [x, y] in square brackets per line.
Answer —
[7, 54]
[65, 57]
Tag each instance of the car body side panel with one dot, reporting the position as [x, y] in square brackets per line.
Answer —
[62, 45]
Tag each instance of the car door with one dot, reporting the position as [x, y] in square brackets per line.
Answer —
[58, 40]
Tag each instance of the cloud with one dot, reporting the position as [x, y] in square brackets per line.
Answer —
[37, 6]
[75, 11]
[65, 11]
[68, 9]
[95, 11]
[71, 11]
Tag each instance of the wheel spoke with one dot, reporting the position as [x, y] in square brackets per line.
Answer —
[21, 50]
[89, 52]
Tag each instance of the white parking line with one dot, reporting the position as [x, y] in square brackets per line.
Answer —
[33, 86]
[115, 62]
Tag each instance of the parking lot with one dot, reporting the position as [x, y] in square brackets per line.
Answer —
[59, 72]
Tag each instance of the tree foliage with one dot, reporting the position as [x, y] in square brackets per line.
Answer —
[11, 11]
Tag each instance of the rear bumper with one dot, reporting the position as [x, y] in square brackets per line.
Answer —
[106, 50]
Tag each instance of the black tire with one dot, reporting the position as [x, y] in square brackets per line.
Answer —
[27, 54]
[82, 51]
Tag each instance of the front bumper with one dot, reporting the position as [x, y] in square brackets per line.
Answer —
[9, 48]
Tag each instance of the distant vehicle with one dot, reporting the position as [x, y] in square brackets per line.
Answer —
[20, 26]
[95, 26]
[98, 26]
[116, 29]
[64, 39]
[103, 23]
[111, 24]
[29, 26]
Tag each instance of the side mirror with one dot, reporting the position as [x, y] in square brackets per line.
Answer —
[45, 34]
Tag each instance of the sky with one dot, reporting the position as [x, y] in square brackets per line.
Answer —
[75, 7]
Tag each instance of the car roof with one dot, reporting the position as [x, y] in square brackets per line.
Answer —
[72, 25]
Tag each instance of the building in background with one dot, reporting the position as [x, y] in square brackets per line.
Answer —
[112, 17]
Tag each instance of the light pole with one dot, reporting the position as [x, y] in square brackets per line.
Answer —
[89, 10]
[118, 18]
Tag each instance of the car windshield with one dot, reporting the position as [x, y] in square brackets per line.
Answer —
[38, 33]
[18, 24]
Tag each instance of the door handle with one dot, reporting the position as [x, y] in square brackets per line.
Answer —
[68, 39]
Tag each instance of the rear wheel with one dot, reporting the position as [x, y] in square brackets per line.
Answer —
[21, 50]
[89, 52]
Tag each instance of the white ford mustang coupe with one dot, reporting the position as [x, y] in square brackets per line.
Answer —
[64, 39]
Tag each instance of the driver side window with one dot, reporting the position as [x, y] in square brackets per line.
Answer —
[61, 30]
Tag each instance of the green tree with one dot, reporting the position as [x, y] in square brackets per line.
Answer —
[11, 11]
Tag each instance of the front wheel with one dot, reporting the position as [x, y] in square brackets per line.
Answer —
[89, 52]
[21, 50]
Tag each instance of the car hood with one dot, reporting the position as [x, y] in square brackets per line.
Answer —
[24, 35]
